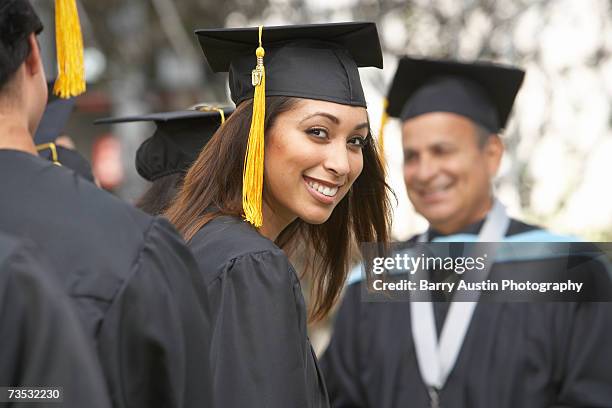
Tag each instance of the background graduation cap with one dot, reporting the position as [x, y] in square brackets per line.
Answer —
[52, 126]
[481, 91]
[177, 141]
[315, 61]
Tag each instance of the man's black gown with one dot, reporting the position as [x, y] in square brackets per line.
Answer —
[131, 279]
[527, 355]
[43, 344]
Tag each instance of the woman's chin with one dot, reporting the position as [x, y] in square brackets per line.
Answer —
[315, 216]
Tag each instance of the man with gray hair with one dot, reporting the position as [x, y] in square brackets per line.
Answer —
[450, 354]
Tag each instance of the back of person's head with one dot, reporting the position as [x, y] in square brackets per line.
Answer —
[17, 21]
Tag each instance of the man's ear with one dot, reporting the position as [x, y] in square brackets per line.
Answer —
[494, 150]
[33, 62]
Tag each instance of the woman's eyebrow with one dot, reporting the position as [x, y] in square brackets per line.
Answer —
[325, 114]
[335, 120]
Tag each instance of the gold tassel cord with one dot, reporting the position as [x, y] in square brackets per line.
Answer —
[222, 114]
[69, 43]
[381, 133]
[53, 148]
[252, 175]
[208, 108]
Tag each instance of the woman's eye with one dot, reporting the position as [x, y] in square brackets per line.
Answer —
[358, 141]
[318, 133]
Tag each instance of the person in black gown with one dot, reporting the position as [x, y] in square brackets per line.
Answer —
[315, 179]
[132, 281]
[529, 355]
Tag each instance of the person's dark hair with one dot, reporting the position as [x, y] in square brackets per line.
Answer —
[157, 199]
[215, 182]
[17, 21]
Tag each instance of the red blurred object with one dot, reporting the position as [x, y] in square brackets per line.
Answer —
[106, 161]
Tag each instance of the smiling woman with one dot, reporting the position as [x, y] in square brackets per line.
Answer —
[314, 178]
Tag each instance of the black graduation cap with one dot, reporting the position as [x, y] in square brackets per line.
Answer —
[481, 91]
[55, 117]
[19, 19]
[178, 139]
[52, 126]
[314, 61]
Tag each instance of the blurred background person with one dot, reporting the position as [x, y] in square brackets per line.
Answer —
[446, 353]
[164, 158]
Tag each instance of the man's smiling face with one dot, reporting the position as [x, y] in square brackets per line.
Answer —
[448, 168]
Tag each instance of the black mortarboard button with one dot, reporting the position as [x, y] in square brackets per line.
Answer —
[481, 91]
[178, 139]
[315, 61]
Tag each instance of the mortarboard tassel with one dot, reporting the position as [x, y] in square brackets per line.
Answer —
[381, 133]
[53, 149]
[252, 176]
[207, 108]
[69, 43]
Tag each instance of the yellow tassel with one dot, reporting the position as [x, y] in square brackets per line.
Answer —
[69, 43]
[381, 133]
[252, 175]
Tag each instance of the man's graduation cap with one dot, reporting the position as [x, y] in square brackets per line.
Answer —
[52, 126]
[18, 19]
[316, 61]
[55, 117]
[481, 91]
[178, 139]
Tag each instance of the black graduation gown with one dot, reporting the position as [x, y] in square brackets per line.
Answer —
[131, 278]
[261, 354]
[42, 341]
[528, 355]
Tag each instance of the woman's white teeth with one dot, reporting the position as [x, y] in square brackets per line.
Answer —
[328, 191]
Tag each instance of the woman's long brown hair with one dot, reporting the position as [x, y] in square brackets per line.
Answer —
[215, 182]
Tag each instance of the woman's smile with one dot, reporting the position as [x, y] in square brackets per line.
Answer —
[323, 191]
